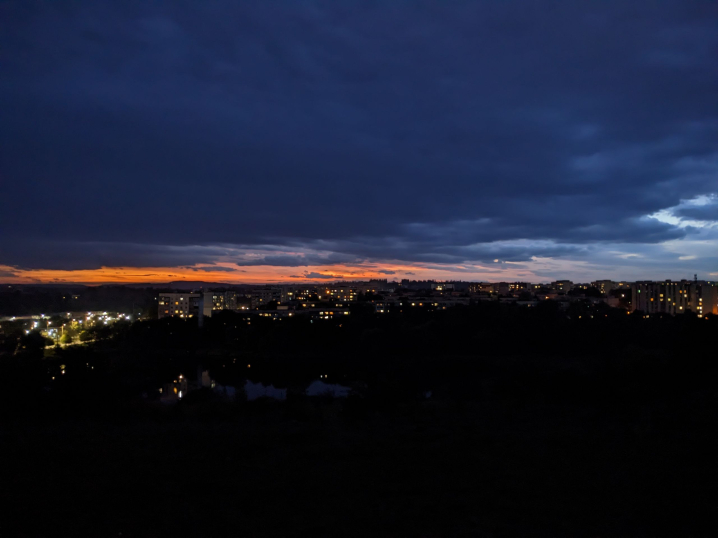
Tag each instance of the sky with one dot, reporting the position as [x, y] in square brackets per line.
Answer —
[288, 141]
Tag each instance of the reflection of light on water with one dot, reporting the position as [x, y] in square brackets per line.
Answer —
[254, 391]
[320, 388]
[259, 390]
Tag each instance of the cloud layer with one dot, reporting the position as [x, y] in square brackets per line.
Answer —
[364, 134]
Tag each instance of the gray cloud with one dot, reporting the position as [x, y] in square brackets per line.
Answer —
[218, 269]
[299, 260]
[312, 274]
[70, 255]
[708, 212]
[418, 132]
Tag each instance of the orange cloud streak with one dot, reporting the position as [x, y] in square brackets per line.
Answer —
[234, 275]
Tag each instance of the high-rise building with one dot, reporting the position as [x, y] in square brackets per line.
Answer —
[674, 297]
[337, 292]
[215, 300]
[263, 296]
[561, 286]
[605, 286]
[183, 305]
[708, 299]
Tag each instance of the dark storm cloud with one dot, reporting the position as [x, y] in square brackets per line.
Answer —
[217, 269]
[396, 130]
[93, 255]
[299, 260]
[312, 275]
[708, 212]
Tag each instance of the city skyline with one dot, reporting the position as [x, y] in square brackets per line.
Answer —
[299, 142]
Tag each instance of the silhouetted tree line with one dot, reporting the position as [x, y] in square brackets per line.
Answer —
[50, 300]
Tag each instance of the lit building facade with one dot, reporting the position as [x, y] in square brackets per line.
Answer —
[183, 305]
[213, 301]
[337, 293]
[263, 296]
[674, 297]
[562, 286]
[605, 286]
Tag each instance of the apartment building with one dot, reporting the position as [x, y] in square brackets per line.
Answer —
[183, 305]
[674, 297]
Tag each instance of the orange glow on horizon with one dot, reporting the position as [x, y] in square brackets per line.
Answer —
[232, 274]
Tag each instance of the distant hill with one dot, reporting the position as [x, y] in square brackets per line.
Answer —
[181, 285]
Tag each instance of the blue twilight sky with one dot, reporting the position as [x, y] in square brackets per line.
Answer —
[478, 140]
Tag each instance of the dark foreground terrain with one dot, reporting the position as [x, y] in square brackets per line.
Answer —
[535, 426]
[306, 469]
